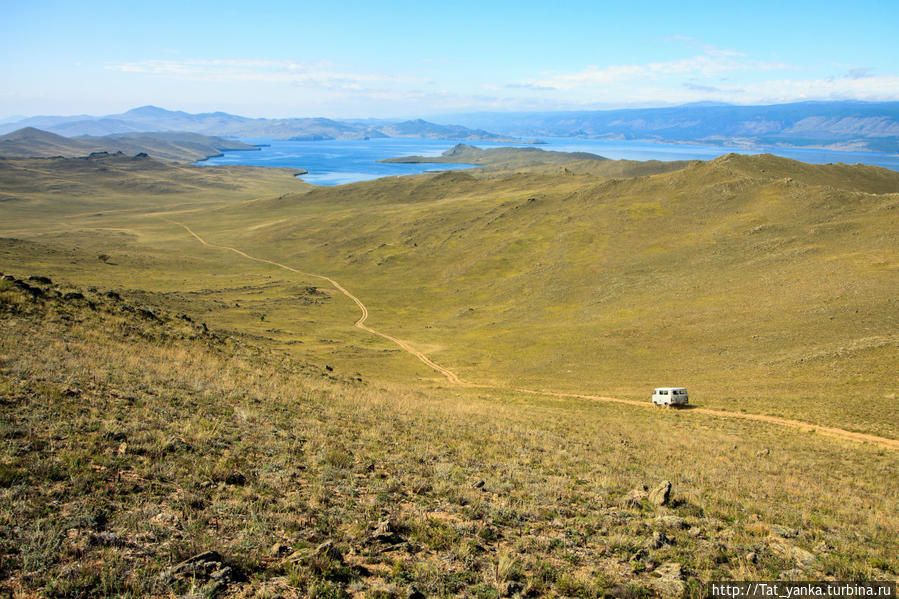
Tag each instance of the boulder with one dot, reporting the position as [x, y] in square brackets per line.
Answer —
[661, 493]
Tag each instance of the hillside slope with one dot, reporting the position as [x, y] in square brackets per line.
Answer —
[750, 287]
[147, 455]
[171, 146]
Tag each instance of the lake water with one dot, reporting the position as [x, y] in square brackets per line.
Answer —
[335, 162]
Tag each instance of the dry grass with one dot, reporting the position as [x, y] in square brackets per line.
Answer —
[129, 443]
[123, 439]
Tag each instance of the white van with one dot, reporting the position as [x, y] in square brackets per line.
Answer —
[670, 396]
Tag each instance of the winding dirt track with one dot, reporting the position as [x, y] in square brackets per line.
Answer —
[453, 378]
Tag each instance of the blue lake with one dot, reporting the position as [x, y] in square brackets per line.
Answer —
[335, 162]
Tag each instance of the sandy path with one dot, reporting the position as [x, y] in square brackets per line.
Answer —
[456, 380]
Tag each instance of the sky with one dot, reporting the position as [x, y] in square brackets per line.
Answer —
[413, 59]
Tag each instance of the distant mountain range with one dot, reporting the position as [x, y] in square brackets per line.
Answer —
[152, 118]
[871, 126]
[170, 146]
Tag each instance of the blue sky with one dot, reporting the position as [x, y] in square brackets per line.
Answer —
[403, 59]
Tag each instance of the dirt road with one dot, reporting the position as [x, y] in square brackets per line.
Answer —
[456, 380]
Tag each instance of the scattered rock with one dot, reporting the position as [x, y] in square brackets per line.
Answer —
[175, 444]
[801, 557]
[635, 496]
[670, 570]
[35, 292]
[106, 538]
[207, 567]
[147, 314]
[793, 574]
[659, 540]
[329, 551]
[669, 588]
[73, 295]
[279, 550]
[202, 564]
[661, 494]
[695, 531]
[763, 452]
[41, 280]
[782, 531]
[670, 583]
[752, 557]
[478, 485]
[510, 588]
[386, 532]
[671, 522]
[113, 296]
[116, 436]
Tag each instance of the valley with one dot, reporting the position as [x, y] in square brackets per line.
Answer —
[446, 376]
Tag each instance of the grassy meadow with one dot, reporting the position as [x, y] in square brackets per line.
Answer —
[194, 401]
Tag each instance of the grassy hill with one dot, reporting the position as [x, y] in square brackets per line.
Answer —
[172, 146]
[747, 286]
[534, 160]
[211, 402]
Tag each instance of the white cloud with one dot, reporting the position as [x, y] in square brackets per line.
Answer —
[320, 74]
[712, 63]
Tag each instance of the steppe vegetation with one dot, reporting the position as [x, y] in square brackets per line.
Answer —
[178, 419]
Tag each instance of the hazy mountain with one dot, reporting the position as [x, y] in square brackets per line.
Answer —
[174, 146]
[838, 125]
[421, 128]
[152, 118]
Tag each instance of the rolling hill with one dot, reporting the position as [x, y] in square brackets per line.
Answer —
[211, 378]
[173, 146]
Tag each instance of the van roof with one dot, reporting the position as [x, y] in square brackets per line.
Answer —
[669, 388]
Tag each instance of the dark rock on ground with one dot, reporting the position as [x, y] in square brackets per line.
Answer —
[236, 478]
[147, 313]
[35, 292]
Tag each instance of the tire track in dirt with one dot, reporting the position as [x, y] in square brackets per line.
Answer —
[359, 324]
[453, 378]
